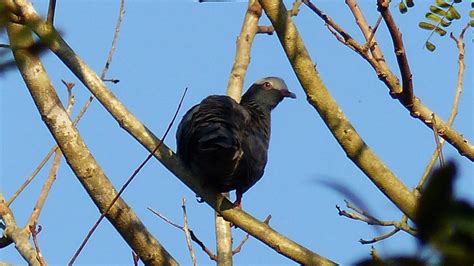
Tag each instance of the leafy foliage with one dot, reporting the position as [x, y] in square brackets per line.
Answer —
[440, 16]
[445, 224]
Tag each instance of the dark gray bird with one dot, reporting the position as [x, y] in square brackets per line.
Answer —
[225, 143]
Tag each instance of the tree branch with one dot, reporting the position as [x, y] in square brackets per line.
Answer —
[320, 98]
[454, 109]
[416, 108]
[17, 235]
[79, 158]
[242, 54]
[132, 125]
[406, 95]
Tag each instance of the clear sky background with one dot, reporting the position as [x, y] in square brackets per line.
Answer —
[165, 46]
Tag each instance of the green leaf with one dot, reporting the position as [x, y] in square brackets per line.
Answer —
[430, 46]
[426, 26]
[471, 13]
[438, 11]
[402, 7]
[429, 26]
[453, 14]
[471, 23]
[437, 19]
[410, 3]
[442, 3]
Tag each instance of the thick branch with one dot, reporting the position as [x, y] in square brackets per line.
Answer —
[79, 158]
[131, 124]
[320, 98]
[242, 54]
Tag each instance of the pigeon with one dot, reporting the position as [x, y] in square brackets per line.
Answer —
[224, 143]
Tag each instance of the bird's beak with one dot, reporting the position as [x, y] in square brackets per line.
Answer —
[287, 93]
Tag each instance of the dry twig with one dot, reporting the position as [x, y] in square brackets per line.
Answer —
[211, 255]
[364, 216]
[34, 233]
[188, 234]
[454, 109]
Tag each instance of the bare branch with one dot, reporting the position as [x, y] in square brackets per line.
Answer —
[407, 96]
[242, 54]
[164, 218]
[45, 190]
[295, 9]
[114, 41]
[83, 109]
[363, 216]
[129, 180]
[341, 128]
[34, 234]
[191, 232]
[75, 150]
[188, 234]
[51, 11]
[378, 238]
[17, 235]
[132, 125]
[454, 109]
[414, 105]
[33, 175]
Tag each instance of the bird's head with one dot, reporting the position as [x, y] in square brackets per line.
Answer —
[267, 92]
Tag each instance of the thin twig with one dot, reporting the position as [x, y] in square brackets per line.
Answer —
[372, 33]
[211, 255]
[125, 185]
[51, 11]
[187, 233]
[164, 218]
[114, 40]
[369, 219]
[33, 175]
[454, 109]
[368, 32]
[438, 144]
[379, 238]
[34, 235]
[295, 9]
[45, 190]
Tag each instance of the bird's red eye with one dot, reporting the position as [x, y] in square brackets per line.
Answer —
[267, 85]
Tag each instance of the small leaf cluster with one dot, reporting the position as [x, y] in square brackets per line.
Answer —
[440, 17]
[404, 5]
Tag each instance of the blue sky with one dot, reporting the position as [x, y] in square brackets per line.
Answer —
[165, 46]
